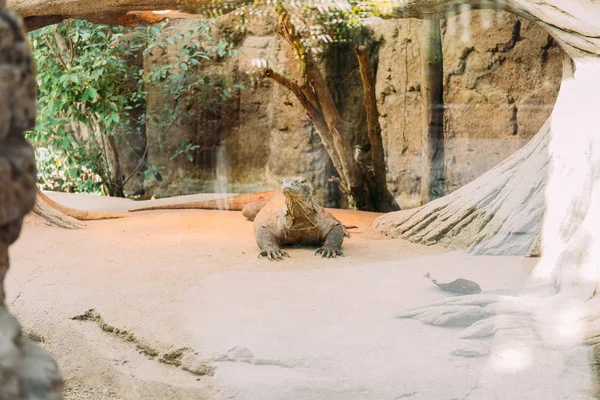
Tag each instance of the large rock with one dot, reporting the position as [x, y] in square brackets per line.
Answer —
[27, 370]
[500, 87]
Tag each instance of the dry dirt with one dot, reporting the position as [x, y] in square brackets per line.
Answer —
[176, 305]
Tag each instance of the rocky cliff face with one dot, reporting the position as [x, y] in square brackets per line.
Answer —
[500, 84]
[253, 140]
[500, 87]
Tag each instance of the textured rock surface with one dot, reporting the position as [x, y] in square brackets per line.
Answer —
[27, 370]
[500, 88]
[250, 142]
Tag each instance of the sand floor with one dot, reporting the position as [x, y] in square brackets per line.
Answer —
[176, 305]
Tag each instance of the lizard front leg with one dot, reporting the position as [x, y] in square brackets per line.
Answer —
[268, 245]
[333, 243]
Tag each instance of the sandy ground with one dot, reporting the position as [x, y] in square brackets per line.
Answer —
[176, 305]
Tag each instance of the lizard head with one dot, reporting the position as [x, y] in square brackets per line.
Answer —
[297, 189]
[298, 198]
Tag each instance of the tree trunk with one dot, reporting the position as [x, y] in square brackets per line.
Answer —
[433, 179]
[366, 190]
[384, 200]
[115, 175]
[354, 179]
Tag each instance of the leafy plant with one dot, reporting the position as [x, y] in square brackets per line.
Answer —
[87, 85]
[185, 148]
[183, 80]
[90, 78]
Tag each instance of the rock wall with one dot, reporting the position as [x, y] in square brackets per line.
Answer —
[500, 87]
[501, 81]
[253, 140]
[27, 370]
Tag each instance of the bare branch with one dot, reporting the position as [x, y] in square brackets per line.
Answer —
[40, 13]
[62, 46]
[55, 52]
[314, 113]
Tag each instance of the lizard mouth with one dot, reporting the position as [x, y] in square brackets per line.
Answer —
[295, 188]
[291, 192]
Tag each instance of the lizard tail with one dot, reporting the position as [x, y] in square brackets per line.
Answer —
[233, 203]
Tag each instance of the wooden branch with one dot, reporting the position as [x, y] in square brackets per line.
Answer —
[71, 46]
[61, 43]
[340, 184]
[344, 149]
[285, 82]
[314, 113]
[53, 216]
[335, 135]
[40, 13]
[55, 52]
[287, 31]
[79, 8]
[138, 166]
[373, 127]
[117, 177]
[310, 95]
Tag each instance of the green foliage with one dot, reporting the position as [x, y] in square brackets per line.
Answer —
[184, 80]
[87, 85]
[91, 77]
[321, 29]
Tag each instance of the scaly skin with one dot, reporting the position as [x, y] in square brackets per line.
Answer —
[292, 218]
[250, 204]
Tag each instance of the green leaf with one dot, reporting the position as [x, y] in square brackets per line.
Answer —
[190, 157]
[92, 93]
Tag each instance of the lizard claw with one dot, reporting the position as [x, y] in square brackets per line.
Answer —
[329, 252]
[273, 254]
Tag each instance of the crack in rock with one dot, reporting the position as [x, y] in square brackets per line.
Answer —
[184, 358]
[462, 65]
